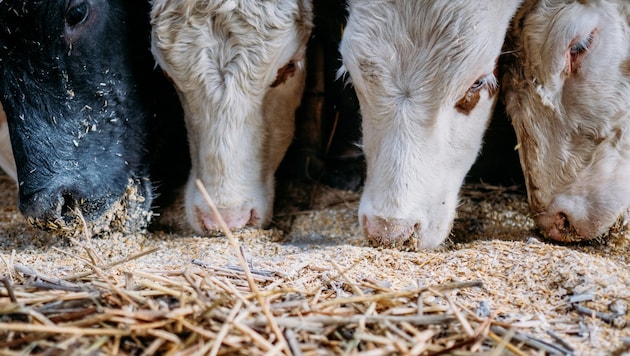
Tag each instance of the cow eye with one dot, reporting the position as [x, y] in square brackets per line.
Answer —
[477, 85]
[77, 13]
[469, 101]
[487, 81]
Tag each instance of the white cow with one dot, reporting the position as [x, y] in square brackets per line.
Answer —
[238, 67]
[567, 89]
[424, 72]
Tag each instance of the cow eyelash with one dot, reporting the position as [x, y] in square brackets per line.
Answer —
[488, 81]
[581, 46]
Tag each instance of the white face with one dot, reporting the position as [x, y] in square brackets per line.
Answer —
[568, 93]
[424, 75]
[239, 73]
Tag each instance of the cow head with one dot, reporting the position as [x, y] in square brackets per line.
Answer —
[567, 89]
[77, 125]
[238, 68]
[424, 72]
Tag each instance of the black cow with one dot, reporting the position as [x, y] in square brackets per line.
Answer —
[82, 99]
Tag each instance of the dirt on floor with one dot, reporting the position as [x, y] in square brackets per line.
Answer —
[574, 296]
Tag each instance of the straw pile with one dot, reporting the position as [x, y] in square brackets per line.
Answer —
[312, 286]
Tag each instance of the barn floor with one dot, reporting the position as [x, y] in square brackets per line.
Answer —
[501, 287]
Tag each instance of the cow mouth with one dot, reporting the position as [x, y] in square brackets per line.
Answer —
[129, 214]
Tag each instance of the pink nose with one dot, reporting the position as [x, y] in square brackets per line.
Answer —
[557, 227]
[561, 226]
[234, 218]
[570, 218]
[388, 232]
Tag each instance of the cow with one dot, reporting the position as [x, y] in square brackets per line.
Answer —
[567, 90]
[238, 67]
[424, 73]
[81, 97]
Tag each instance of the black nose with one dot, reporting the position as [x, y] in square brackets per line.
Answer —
[64, 204]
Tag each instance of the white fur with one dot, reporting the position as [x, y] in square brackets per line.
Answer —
[7, 163]
[411, 62]
[572, 126]
[223, 56]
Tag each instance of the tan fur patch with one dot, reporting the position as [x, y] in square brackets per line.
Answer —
[468, 102]
[625, 68]
[284, 73]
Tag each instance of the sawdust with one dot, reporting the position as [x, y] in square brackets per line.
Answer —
[570, 295]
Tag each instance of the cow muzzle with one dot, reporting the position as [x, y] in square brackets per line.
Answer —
[70, 213]
[574, 219]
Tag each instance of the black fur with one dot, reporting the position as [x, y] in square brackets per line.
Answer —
[83, 104]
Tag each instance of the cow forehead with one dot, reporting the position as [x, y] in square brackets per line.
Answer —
[430, 44]
[554, 24]
[228, 37]
[231, 18]
[38, 27]
[20, 18]
[548, 29]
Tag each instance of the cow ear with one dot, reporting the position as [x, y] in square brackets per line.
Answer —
[578, 48]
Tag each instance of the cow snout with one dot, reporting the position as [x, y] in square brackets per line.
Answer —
[558, 227]
[574, 218]
[62, 205]
[235, 218]
[72, 209]
[388, 232]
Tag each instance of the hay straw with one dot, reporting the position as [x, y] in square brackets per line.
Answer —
[111, 264]
[226, 320]
[327, 306]
[241, 258]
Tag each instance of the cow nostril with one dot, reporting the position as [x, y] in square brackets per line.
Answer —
[254, 219]
[67, 205]
[562, 222]
[559, 227]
